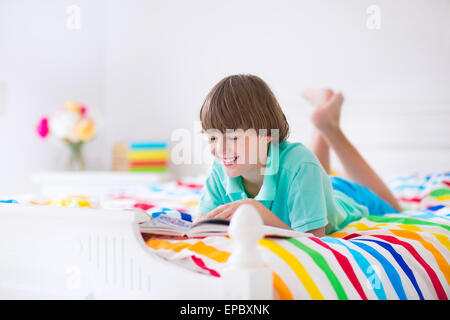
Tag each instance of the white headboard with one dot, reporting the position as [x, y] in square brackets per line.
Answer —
[394, 139]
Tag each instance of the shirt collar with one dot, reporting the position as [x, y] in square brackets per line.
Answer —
[269, 186]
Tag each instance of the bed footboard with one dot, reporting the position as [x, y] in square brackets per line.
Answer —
[246, 269]
[83, 253]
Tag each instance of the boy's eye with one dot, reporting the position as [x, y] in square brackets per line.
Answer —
[212, 138]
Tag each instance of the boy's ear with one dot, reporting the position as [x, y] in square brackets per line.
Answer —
[266, 139]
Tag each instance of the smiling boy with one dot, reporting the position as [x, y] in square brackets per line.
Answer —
[286, 182]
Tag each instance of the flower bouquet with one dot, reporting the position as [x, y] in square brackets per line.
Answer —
[73, 126]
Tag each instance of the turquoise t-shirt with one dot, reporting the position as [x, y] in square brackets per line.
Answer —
[295, 187]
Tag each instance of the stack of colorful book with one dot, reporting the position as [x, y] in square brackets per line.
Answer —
[148, 156]
[141, 157]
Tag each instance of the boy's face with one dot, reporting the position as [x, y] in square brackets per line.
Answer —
[240, 152]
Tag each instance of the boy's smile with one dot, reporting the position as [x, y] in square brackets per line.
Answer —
[230, 161]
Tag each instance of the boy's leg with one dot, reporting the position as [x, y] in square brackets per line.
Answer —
[319, 145]
[326, 120]
[321, 149]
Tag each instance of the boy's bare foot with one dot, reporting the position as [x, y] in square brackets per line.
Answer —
[327, 115]
[317, 97]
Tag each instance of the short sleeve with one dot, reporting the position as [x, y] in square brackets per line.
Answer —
[307, 198]
[210, 196]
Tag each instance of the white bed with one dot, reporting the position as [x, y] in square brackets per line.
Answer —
[83, 253]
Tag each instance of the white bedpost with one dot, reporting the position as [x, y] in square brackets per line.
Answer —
[246, 277]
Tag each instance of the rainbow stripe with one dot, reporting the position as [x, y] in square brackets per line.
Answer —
[304, 277]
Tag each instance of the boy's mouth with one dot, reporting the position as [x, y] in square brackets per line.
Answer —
[231, 161]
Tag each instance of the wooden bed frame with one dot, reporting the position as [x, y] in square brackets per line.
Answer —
[82, 253]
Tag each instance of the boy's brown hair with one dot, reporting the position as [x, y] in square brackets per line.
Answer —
[243, 102]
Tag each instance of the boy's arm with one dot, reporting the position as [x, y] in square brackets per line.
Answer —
[227, 210]
[320, 232]
[269, 218]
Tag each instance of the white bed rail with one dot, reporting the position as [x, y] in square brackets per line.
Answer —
[246, 269]
[83, 253]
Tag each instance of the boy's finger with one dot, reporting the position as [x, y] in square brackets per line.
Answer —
[228, 213]
[222, 213]
[213, 213]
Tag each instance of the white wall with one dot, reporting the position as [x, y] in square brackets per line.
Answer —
[147, 65]
[164, 56]
[44, 64]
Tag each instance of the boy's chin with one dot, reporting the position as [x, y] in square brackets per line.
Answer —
[232, 172]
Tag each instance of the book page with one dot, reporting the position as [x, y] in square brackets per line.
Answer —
[164, 224]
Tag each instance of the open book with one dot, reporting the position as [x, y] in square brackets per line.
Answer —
[169, 226]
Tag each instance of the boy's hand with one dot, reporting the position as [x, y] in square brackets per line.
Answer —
[227, 210]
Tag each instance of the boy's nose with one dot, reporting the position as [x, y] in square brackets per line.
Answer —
[223, 147]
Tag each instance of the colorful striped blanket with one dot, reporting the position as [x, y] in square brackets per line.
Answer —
[396, 256]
